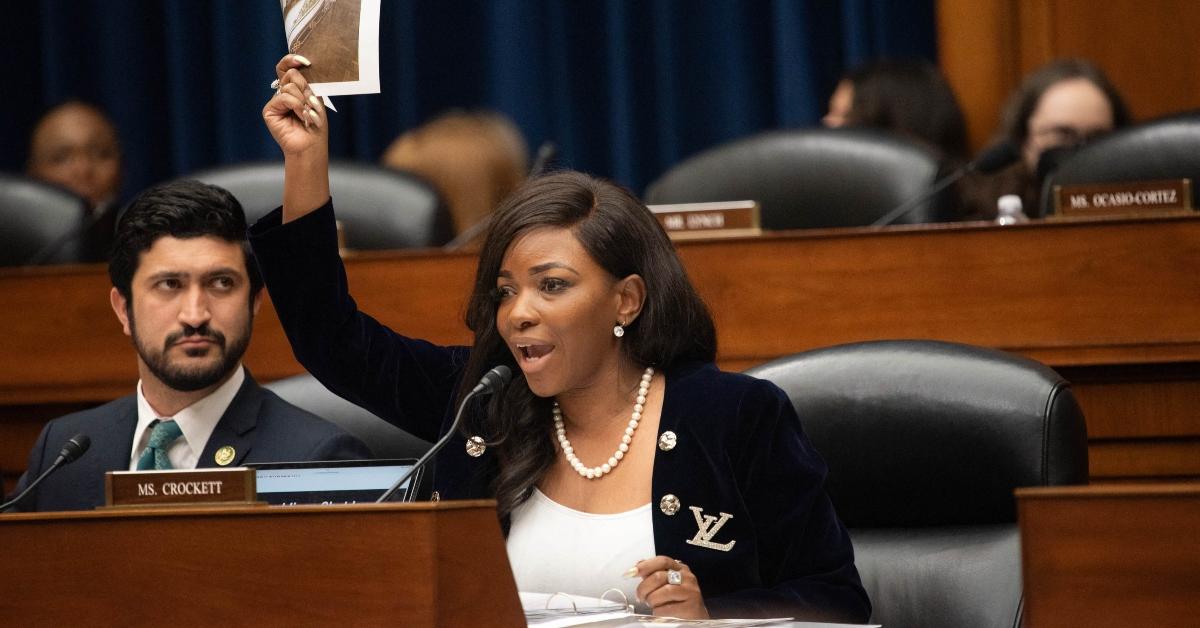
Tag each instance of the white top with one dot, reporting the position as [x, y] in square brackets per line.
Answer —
[196, 421]
[554, 549]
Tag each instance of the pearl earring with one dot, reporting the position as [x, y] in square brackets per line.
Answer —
[619, 330]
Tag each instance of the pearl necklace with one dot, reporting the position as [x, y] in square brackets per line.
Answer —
[595, 473]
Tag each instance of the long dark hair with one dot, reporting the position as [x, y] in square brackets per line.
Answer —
[911, 97]
[1014, 126]
[624, 238]
[1014, 122]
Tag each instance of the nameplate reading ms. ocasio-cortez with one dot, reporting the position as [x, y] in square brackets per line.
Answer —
[723, 219]
[193, 486]
[1123, 198]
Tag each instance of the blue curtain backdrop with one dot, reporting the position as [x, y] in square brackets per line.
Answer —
[626, 88]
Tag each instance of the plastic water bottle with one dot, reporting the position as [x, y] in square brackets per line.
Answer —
[1010, 210]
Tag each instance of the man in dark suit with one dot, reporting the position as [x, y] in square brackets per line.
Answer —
[185, 290]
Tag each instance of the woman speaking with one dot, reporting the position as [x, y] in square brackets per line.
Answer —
[619, 456]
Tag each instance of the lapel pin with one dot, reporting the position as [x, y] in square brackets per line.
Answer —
[224, 455]
[475, 446]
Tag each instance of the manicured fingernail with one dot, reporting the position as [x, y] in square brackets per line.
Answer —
[314, 101]
[631, 573]
[316, 119]
[302, 60]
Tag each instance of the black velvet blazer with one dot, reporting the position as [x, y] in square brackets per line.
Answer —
[738, 490]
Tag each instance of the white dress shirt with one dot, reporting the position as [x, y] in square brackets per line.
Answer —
[196, 421]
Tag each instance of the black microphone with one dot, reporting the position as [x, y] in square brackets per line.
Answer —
[546, 154]
[492, 381]
[1052, 158]
[990, 160]
[71, 451]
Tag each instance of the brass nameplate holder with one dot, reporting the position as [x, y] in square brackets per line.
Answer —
[180, 487]
[686, 221]
[1109, 199]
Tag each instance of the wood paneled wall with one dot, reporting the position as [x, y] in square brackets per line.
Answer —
[1110, 303]
[1149, 49]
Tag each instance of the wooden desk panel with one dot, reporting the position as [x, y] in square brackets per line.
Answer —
[1111, 556]
[360, 565]
[1069, 294]
[1114, 304]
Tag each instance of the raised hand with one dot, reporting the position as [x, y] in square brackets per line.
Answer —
[295, 116]
[297, 120]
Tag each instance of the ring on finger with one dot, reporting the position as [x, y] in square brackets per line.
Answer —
[674, 577]
[275, 85]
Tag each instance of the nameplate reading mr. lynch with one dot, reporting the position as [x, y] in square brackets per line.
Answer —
[195, 486]
[723, 219]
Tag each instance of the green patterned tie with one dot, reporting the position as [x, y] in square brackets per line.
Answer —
[161, 437]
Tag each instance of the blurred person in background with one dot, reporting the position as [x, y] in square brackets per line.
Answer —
[911, 98]
[908, 97]
[473, 159]
[1056, 109]
[75, 145]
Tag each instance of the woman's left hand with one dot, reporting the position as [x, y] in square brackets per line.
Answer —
[667, 594]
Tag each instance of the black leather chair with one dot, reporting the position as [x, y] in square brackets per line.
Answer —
[384, 439]
[379, 208]
[925, 442]
[36, 215]
[808, 178]
[1168, 148]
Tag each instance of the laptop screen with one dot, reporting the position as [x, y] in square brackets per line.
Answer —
[331, 482]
